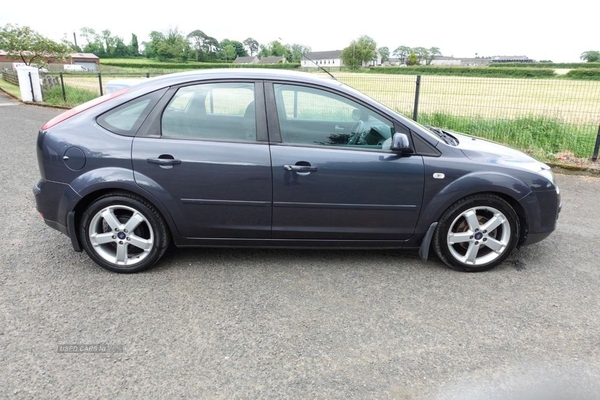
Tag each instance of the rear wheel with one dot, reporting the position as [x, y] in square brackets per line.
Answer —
[123, 233]
[477, 233]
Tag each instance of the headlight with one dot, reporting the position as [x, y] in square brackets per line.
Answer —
[548, 174]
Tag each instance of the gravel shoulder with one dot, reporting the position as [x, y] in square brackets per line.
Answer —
[223, 323]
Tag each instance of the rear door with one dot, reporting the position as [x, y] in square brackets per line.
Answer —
[205, 156]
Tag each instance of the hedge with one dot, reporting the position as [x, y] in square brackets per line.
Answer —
[546, 65]
[467, 71]
[185, 66]
[584, 74]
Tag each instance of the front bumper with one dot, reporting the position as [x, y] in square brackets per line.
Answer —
[543, 209]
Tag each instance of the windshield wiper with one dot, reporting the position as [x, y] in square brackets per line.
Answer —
[443, 135]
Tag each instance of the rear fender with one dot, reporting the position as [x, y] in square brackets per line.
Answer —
[87, 187]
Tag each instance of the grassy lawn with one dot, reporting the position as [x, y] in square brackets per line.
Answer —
[10, 88]
[573, 102]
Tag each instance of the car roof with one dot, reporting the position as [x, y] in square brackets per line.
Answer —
[238, 73]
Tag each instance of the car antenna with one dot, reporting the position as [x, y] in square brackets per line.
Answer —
[317, 65]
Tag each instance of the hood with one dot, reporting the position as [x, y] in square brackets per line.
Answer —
[482, 150]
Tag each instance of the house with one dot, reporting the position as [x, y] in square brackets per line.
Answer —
[446, 61]
[273, 60]
[246, 60]
[87, 60]
[325, 59]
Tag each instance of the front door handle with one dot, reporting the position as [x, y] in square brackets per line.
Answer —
[300, 168]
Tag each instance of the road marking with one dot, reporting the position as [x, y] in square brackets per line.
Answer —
[8, 104]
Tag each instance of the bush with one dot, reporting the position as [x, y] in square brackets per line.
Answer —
[75, 96]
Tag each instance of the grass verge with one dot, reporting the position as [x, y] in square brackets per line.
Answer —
[10, 88]
[544, 138]
[75, 96]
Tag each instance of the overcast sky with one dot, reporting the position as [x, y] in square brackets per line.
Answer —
[542, 30]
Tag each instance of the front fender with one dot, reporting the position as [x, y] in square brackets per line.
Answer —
[440, 195]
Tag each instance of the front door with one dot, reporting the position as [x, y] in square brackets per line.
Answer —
[334, 175]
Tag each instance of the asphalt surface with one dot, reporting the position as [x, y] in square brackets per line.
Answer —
[222, 324]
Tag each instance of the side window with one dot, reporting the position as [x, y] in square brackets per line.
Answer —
[309, 116]
[211, 111]
[126, 118]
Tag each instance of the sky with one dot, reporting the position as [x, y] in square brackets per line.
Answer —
[557, 31]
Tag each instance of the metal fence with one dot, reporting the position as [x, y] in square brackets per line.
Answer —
[546, 117]
[549, 118]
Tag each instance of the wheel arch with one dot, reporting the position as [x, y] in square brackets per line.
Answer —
[91, 196]
[507, 187]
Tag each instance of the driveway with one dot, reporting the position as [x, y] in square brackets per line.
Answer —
[225, 323]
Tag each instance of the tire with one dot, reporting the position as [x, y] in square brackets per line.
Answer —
[477, 233]
[123, 233]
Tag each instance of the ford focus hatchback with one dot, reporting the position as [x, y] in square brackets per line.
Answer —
[250, 157]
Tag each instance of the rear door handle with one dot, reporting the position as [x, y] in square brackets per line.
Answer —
[163, 161]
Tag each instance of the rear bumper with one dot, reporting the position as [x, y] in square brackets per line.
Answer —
[55, 202]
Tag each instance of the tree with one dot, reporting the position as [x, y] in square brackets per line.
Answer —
[134, 46]
[431, 53]
[110, 42]
[27, 45]
[422, 54]
[360, 52]
[239, 49]
[169, 45]
[197, 37]
[402, 52]
[298, 51]
[265, 51]
[384, 52]
[94, 43]
[412, 59]
[251, 45]
[590, 56]
[229, 52]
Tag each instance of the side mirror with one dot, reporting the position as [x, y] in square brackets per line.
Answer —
[400, 143]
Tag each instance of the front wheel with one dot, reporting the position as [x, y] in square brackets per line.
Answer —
[123, 233]
[477, 233]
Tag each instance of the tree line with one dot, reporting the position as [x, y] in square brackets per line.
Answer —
[363, 51]
[174, 44]
[29, 46]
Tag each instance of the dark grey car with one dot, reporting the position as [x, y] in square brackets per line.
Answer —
[248, 157]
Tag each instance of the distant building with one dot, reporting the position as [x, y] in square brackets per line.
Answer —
[273, 60]
[512, 59]
[325, 59]
[246, 60]
[88, 60]
[445, 61]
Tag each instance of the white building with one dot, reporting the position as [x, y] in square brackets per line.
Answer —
[325, 59]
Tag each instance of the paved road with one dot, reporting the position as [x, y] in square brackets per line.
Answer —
[291, 324]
